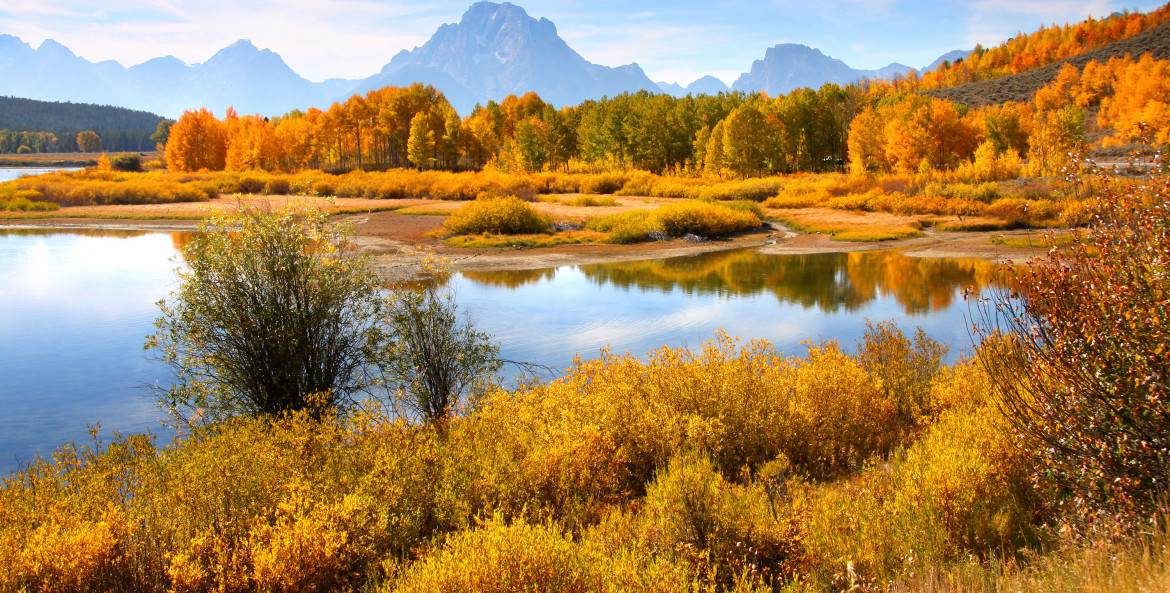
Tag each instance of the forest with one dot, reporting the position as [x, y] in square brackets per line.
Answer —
[49, 126]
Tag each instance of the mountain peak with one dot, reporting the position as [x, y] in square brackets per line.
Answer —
[497, 49]
[50, 46]
[242, 47]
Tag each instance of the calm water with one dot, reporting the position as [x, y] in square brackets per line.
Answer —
[9, 173]
[74, 309]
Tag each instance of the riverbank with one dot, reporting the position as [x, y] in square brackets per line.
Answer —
[398, 233]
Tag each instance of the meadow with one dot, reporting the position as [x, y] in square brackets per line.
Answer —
[601, 207]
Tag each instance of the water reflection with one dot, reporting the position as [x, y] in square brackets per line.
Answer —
[75, 306]
[829, 282]
[178, 238]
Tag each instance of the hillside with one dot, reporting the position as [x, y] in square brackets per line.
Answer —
[1021, 87]
[49, 116]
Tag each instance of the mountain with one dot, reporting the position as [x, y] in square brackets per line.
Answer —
[240, 75]
[951, 56]
[707, 85]
[493, 51]
[496, 50]
[790, 66]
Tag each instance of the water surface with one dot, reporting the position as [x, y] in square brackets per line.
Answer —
[75, 308]
[10, 173]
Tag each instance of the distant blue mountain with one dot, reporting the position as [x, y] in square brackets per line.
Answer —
[240, 75]
[791, 66]
[493, 51]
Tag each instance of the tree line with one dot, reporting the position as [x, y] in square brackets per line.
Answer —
[865, 127]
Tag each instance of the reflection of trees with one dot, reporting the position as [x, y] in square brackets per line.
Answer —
[828, 281]
[46, 232]
[510, 278]
[178, 238]
[919, 284]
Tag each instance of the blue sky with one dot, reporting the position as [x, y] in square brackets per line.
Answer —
[674, 41]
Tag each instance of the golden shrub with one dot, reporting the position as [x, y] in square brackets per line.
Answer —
[703, 218]
[504, 216]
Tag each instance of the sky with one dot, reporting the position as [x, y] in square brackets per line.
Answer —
[672, 40]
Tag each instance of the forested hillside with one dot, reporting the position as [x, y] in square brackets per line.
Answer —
[1020, 87]
[47, 126]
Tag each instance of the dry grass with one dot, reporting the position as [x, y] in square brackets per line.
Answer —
[525, 241]
[850, 226]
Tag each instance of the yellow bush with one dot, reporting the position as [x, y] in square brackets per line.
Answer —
[962, 489]
[626, 227]
[503, 216]
[703, 218]
[64, 557]
[727, 533]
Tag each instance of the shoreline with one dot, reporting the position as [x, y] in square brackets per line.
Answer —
[397, 255]
[398, 245]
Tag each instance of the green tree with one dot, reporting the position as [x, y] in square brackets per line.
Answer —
[744, 141]
[271, 315]
[89, 141]
[420, 147]
[436, 358]
[161, 133]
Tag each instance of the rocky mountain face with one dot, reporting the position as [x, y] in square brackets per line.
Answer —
[496, 50]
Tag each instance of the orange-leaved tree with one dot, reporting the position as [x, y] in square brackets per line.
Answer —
[197, 141]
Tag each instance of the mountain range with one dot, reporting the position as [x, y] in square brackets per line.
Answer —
[493, 51]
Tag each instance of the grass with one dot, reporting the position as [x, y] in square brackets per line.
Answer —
[1032, 241]
[363, 210]
[528, 241]
[847, 226]
[589, 201]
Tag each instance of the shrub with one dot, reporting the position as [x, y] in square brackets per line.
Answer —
[129, 162]
[277, 186]
[502, 216]
[728, 533]
[961, 490]
[591, 201]
[603, 183]
[626, 227]
[271, 315]
[249, 185]
[501, 558]
[704, 219]
[1084, 361]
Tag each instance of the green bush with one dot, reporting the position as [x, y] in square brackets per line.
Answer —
[128, 162]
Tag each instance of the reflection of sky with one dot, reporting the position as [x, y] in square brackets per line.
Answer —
[10, 173]
[74, 311]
